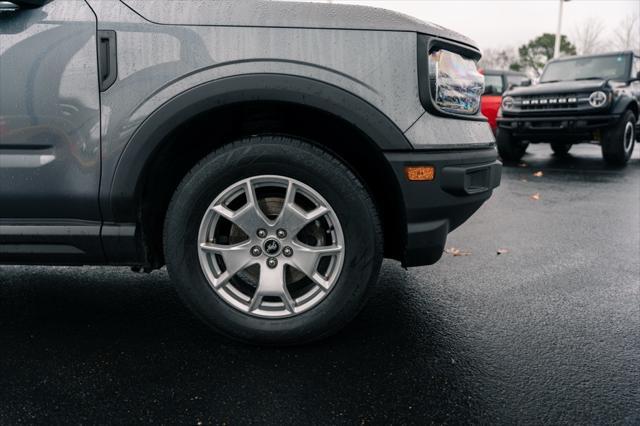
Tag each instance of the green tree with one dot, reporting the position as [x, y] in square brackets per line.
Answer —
[515, 67]
[535, 54]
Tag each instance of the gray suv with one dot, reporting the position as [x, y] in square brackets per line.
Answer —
[270, 154]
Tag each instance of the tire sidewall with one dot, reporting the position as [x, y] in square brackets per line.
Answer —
[629, 119]
[613, 143]
[273, 156]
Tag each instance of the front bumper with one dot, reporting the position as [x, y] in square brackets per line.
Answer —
[464, 180]
[557, 127]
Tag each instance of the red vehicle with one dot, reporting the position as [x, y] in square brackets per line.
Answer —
[495, 84]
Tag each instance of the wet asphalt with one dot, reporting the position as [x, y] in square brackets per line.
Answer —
[546, 332]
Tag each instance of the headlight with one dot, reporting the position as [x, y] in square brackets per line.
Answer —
[456, 84]
[598, 99]
[622, 92]
[507, 102]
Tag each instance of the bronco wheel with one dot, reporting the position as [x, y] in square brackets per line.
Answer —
[272, 240]
[510, 148]
[619, 140]
[560, 149]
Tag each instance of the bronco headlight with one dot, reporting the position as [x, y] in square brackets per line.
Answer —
[456, 85]
[507, 102]
[598, 99]
[622, 92]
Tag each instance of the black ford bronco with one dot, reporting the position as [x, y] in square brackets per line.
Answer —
[578, 99]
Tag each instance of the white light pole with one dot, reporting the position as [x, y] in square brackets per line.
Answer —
[556, 49]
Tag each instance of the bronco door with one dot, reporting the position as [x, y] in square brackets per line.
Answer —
[49, 133]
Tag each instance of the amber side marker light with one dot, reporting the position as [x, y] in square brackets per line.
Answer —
[420, 173]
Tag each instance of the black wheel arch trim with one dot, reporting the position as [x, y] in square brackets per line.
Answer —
[118, 200]
[625, 103]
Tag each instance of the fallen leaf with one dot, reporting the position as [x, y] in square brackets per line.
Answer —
[535, 197]
[502, 251]
[523, 164]
[538, 174]
[457, 252]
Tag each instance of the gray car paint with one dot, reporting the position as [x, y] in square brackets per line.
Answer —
[49, 114]
[55, 174]
[428, 131]
[255, 13]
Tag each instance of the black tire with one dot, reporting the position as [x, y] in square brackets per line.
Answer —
[619, 140]
[560, 149]
[271, 155]
[510, 148]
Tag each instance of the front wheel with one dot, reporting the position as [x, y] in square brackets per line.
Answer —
[510, 148]
[619, 140]
[271, 240]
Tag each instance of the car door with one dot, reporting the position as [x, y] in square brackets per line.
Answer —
[492, 97]
[49, 133]
[635, 74]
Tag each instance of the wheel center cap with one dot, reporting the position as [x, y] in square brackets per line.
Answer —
[272, 247]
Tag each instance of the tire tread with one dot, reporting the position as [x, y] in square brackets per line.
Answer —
[358, 190]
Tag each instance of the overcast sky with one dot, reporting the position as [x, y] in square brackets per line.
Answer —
[505, 23]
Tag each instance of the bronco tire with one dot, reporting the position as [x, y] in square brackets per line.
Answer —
[272, 240]
[619, 140]
[510, 148]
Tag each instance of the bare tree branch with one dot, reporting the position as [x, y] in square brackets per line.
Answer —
[627, 34]
[500, 59]
[588, 38]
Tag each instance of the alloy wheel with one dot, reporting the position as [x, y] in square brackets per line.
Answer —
[271, 246]
[628, 136]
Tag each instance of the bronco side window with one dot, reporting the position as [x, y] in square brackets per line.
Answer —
[636, 66]
[493, 85]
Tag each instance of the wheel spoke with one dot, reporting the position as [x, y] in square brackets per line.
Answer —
[236, 258]
[272, 284]
[322, 282]
[292, 218]
[306, 258]
[223, 249]
[249, 217]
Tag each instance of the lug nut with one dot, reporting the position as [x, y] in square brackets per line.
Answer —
[281, 233]
[256, 251]
[287, 251]
[261, 233]
[272, 262]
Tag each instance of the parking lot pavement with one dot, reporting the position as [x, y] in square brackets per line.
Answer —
[548, 331]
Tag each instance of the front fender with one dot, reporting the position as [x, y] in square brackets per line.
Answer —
[623, 103]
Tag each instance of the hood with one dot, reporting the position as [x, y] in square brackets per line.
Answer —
[255, 13]
[558, 87]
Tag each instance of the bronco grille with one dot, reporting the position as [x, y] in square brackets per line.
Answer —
[566, 101]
